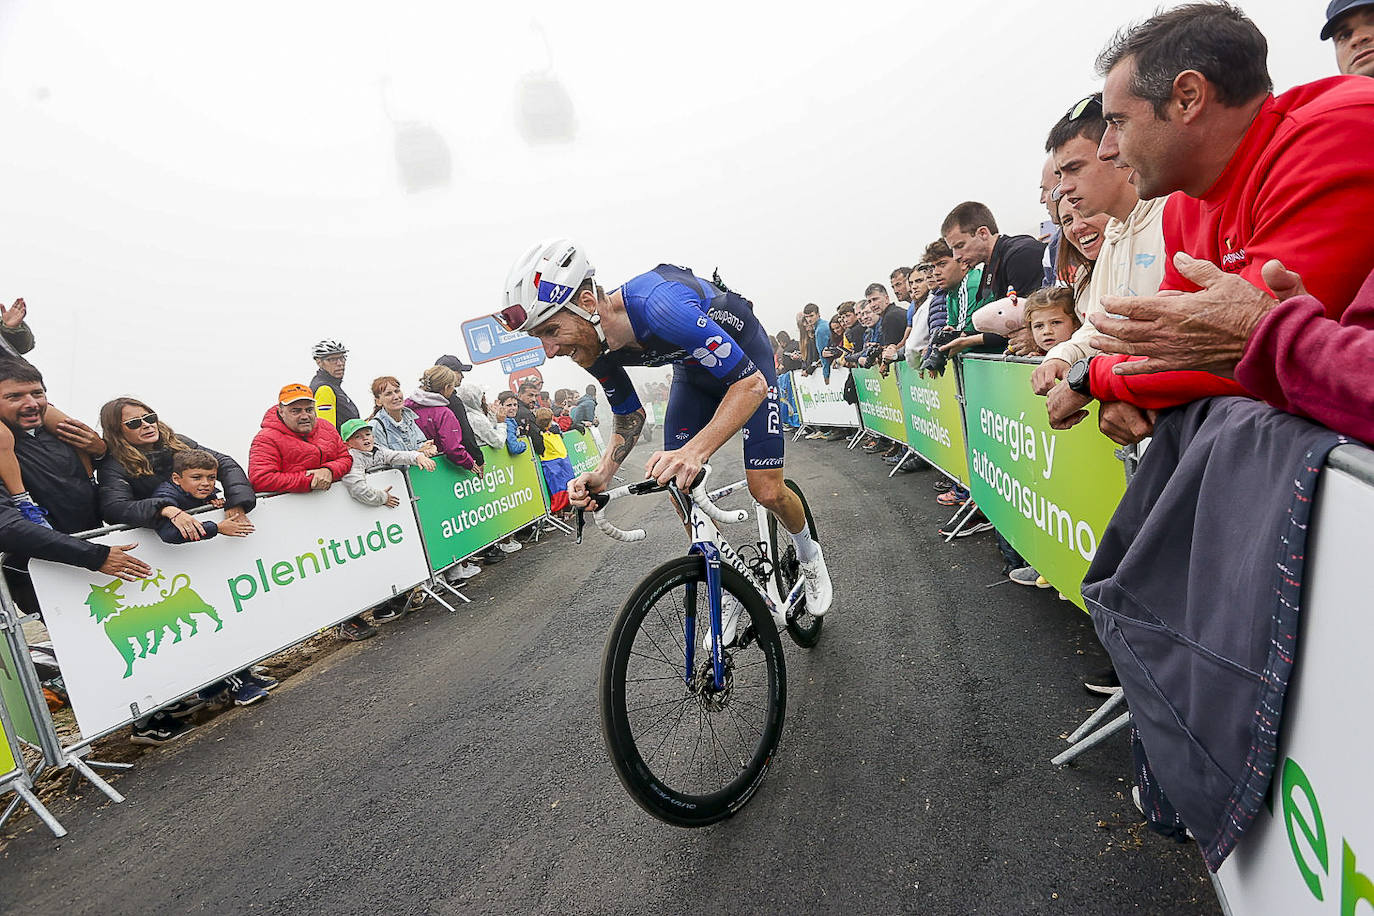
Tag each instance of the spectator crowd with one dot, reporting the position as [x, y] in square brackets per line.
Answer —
[60, 477]
[1204, 237]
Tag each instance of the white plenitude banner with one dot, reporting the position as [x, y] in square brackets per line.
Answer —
[822, 404]
[212, 607]
[1314, 852]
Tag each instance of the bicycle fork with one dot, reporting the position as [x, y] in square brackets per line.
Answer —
[711, 554]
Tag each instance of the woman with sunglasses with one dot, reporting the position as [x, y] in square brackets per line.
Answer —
[139, 460]
[140, 449]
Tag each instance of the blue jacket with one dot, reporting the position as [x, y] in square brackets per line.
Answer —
[172, 495]
[823, 341]
[514, 444]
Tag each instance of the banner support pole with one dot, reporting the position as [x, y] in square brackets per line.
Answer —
[56, 756]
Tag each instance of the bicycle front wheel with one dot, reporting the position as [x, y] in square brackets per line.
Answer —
[687, 753]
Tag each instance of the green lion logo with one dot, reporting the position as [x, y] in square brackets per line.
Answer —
[141, 627]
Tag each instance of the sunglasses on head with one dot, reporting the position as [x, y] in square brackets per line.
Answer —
[136, 422]
[1080, 108]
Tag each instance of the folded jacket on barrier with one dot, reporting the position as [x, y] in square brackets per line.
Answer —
[1194, 592]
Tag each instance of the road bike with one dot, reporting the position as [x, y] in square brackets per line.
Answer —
[692, 720]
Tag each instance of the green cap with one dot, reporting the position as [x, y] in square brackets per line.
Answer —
[352, 426]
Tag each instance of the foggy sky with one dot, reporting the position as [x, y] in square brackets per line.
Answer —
[194, 193]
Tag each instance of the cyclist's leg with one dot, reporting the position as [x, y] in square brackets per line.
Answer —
[763, 448]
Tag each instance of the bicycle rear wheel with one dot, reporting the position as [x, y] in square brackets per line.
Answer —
[687, 754]
[803, 626]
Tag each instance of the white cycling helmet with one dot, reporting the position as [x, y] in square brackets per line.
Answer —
[329, 348]
[543, 281]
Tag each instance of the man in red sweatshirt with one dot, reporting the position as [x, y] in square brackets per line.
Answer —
[295, 453]
[1258, 178]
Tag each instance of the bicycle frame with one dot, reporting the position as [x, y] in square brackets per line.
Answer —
[711, 545]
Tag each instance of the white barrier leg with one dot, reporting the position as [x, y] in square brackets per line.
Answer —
[1096, 738]
[1116, 699]
[967, 509]
[22, 794]
[910, 453]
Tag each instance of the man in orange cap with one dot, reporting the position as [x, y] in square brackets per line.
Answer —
[295, 453]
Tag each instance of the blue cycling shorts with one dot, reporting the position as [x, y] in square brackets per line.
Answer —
[691, 406]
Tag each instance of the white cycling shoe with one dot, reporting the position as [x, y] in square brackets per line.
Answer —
[819, 591]
[730, 610]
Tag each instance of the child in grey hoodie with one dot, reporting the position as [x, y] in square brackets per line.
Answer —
[357, 434]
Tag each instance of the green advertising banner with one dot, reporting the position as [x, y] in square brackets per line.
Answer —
[1049, 492]
[7, 762]
[461, 513]
[934, 423]
[880, 404]
[582, 450]
[13, 693]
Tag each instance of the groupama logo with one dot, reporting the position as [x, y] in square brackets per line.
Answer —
[716, 351]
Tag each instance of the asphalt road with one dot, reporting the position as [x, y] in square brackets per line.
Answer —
[454, 764]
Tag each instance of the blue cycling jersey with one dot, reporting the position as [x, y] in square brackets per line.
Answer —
[679, 318]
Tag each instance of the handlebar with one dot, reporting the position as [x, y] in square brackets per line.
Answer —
[698, 496]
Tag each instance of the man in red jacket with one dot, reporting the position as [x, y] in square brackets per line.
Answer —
[295, 453]
[1261, 178]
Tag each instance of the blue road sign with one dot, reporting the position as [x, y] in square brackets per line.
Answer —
[488, 341]
[523, 360]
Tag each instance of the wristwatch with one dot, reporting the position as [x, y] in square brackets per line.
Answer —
[1079, 377]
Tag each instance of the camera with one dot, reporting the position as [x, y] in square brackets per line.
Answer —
[936, 361]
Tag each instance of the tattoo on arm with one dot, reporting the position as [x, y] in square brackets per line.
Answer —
[627, 427]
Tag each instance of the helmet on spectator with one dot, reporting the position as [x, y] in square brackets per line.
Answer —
[543, 281]
[329, 348]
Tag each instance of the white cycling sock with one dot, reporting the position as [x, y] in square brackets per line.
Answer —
[807, 549]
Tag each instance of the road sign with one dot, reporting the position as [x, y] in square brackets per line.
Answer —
[488, 341]
[524, 360]
[520, 375]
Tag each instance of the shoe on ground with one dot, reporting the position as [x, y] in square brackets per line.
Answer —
[1105, 682]
[819, 591]
[34, 513]
[835, 436]
[261, 681]
[730, 610]
[943, 484]
[1042, 582]
[891, 459]
[509, 545]
[244, 692]
[463, 571]
[185, 706]
[950, 498]
[356, 628]
[818, 434]
[492, 555]
[1026, 575]
[391, 609]
[158, 730]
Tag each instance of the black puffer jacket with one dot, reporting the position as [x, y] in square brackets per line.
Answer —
[21, 538]
[129, 500]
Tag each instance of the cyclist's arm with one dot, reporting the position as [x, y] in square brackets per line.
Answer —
[629, 417]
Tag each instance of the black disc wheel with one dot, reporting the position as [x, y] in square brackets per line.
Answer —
[689, 752]
[802, 626]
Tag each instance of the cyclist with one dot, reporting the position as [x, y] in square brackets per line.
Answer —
[723, 375]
